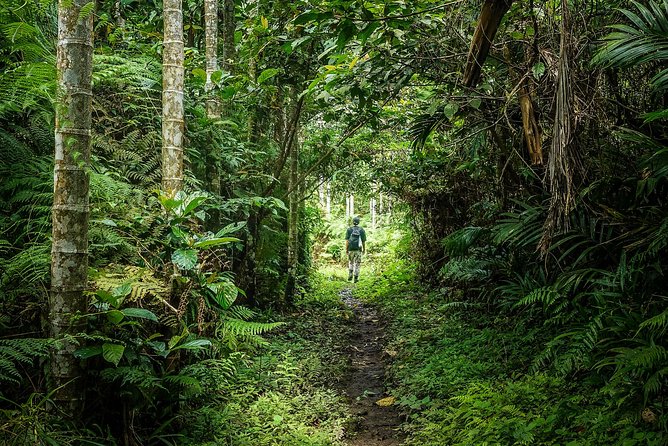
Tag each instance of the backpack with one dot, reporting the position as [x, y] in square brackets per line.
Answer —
[354, 242]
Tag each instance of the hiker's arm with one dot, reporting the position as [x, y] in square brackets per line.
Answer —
[347, 242]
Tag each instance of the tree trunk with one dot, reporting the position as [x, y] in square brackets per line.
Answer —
[328, 206]
[372, 205]
[172, 98]
[211, 32]
[491, 14]
[293, 221]
[69, 252]
[212, 105]
[229, 27]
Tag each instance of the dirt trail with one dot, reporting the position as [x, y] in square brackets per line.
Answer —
[378, 425]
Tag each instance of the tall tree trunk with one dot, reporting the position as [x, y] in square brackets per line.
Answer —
[229, 27]
[211, 38]
[321, 193]
[328, 208]
[172, 98]
[293, 222]
[212, 105]
[491, 14]
[372, 205]
[69, 252]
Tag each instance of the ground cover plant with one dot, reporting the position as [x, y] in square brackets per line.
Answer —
[465, 377]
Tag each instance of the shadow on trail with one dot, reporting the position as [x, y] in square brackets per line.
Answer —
[378, 424]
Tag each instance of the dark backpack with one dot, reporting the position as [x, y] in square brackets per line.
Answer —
[354, 242]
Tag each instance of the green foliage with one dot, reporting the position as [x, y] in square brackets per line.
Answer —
[15, 353]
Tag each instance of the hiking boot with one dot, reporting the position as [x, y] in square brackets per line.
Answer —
[356, 279]
[350, 277]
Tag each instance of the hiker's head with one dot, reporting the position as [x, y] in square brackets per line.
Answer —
[356, 220]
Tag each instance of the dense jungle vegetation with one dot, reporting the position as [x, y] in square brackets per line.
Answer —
[177, 176]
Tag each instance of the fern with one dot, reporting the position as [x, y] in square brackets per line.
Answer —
[20, 351]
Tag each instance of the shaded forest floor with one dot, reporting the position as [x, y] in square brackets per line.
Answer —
[385, 363]
[379, 419]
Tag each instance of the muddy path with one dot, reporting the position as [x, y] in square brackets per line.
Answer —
[379, 423]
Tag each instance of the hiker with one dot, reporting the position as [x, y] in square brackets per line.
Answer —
[355, 244]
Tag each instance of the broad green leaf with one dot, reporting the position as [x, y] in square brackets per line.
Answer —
[88, 352]
[200, 74]
[231, 228]
[140, 313]
[538, 70]
[107, 297]
[475, 103]
[267, 74]
[215, 242]
[190, 204]
[216, 76]
[115, 316]
[450, 110]
[196, 344]
[113, 352]
[185, 258]
[122, 290]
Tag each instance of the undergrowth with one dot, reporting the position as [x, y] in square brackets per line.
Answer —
[287, 395]
[465, 377]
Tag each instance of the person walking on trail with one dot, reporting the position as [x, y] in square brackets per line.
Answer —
[355, 245]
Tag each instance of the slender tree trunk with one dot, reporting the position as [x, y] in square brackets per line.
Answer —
[212, 104]
[321, 193]
[328, 208]
[380, 203]
[352, 205]
[372, 205]
[172, 98]
[69, 252]
[293, 222]
[211, 38]
[229, 27]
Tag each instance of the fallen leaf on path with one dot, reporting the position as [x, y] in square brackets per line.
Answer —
[385, 402]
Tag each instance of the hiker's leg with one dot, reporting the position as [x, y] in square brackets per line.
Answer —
[351, 265]
[357, 264]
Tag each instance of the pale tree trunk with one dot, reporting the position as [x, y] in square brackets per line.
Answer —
[69, 251]
[212, 105]
[380, 203]
[372, 205]
[172, 98]
[229, 26]
[347, 207]
[321, 193]
[211, 38]
[293, 222]
[352, 205]
[328, 205]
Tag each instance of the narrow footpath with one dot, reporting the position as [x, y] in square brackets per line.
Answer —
[379, 418]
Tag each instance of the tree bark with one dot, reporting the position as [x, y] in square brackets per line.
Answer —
[328, 206]
[229, 27]
[69, 251]
[491, 14]
[211, 39]
[172, 98]
[293, 222]
[212, 104]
